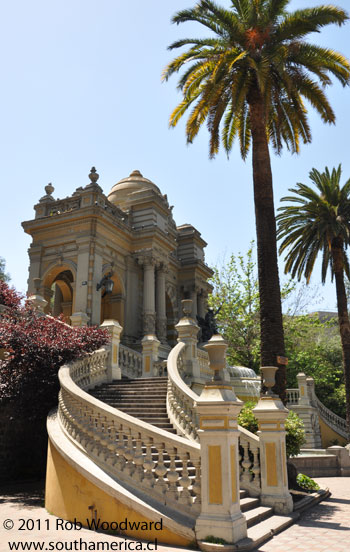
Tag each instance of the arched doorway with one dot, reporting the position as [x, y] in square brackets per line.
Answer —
[58, 290]
[112, 304]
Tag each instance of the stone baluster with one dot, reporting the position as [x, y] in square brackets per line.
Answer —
[160, 471]
[185, 481]
[112, 444]
[121, 462]
[148, 465]
[271, 415]
[218, 410]
[138, 459]
[173, 476]
[246, 462]
[129, 455]
[196, 487]
[256, 465]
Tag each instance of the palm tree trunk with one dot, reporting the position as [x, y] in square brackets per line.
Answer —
[343, 317]
[271, 324]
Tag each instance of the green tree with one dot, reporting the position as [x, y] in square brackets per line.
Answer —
[3, 275]
[248, 80]
[236, 293]
[318, 221]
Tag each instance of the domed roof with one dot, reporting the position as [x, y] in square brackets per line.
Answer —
[133, 183]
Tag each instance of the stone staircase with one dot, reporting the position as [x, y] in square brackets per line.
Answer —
[145, 399]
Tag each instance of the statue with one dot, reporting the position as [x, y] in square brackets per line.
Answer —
[208, 325]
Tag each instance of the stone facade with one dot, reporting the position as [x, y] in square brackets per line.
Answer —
[129, 235]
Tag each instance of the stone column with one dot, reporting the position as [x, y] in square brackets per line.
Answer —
[218, 409]
[201, 304]
[187, 330]
[161, 305]
[115, 330]
[271, 415]
[149, 314]
[193, 297]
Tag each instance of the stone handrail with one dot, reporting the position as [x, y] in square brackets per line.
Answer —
[130, 362]
[147, 460]
[333, 420]
[181, 407]
[180, 398]
[293, 396]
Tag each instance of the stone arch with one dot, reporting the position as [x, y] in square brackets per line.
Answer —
[113, 305]
[58, 289]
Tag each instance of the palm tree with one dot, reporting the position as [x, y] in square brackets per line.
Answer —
[318, 221]
[248, 80]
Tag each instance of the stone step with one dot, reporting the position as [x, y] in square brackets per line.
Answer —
[257, 514]
[249, 503]
[261, 532]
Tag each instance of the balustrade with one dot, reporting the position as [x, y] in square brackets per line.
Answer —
[130, 362]
[150, 460]
[292, 396]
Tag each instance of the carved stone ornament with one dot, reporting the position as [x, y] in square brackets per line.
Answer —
[149, 323]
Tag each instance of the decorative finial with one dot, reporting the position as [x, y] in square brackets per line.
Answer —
[49, 189]
[94, 176]
[136, 173]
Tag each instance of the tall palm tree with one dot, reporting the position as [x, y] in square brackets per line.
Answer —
[318, 221]
[248, 80]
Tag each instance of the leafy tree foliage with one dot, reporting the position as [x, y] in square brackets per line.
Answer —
[317, 220]
[312, 345]
[295, 434]
[236, 293]
[3, 275]
[248, 81]
[35, 347]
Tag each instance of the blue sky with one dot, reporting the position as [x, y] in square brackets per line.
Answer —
[81, 86]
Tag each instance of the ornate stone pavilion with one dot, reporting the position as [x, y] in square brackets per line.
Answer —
[130, 237]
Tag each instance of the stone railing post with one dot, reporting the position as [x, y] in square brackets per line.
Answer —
[218, 409]
[114, 371]
[303, 389]
[271, 415]
[150, 347]
[79, 319]
[37, 300]
[187, 330]
[307, 411]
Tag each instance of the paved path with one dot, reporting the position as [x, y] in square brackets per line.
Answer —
[325, 528]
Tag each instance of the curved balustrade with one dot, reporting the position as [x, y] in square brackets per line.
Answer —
[182, 413]
[148, 460]
[130, 362]
[91, 370]
[333, 420]
[180, 398]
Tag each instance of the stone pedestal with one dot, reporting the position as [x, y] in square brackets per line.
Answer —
[115, 330]
[307, 411]
[218, 409]
[150, 346]
[38, 302]
[79, 319]
[271, 415]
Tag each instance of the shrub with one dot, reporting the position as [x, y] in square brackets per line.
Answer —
[305, 482]
[9, 296]
[295, 434]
